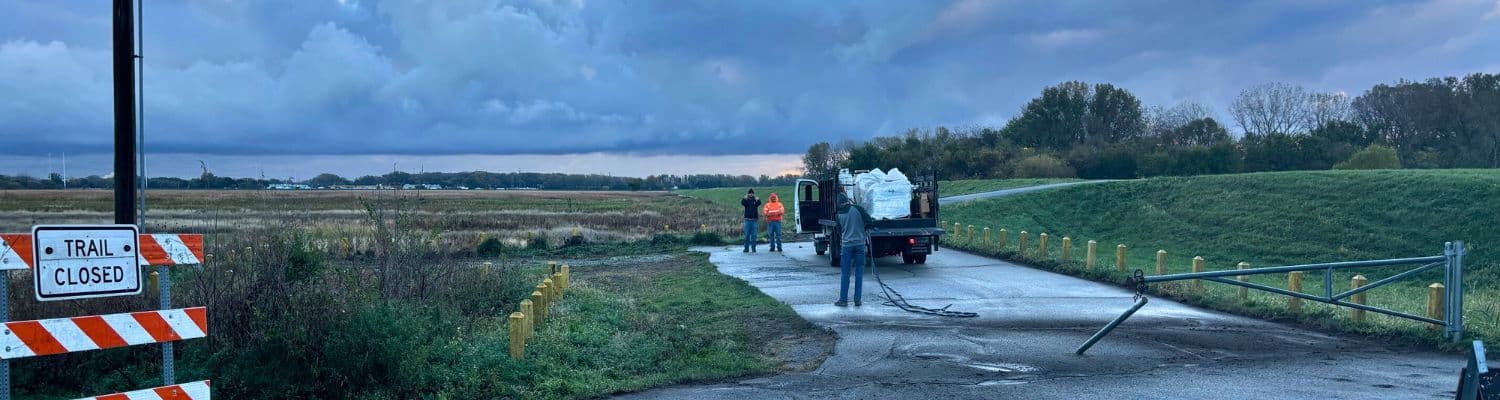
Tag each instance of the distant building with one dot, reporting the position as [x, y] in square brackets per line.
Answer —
[288, 186]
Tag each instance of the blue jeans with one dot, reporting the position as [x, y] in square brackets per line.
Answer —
[852, 257]
[749, 234]
[773, 234]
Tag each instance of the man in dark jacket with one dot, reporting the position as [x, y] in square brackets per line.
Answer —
[752, 215]
[852, 240]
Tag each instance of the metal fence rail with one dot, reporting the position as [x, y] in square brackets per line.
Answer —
[1451, 260]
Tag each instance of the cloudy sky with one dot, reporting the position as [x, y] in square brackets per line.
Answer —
[297, 87]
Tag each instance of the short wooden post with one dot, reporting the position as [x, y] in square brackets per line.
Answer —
[517, 336]
[485, 270]
[1198, 267]
[1294, 283]
[539, 301]
[1435, 303]
[986, 236]
[551, 291]
[1161, 262]
[1041, 246]
[1120, 258]
[567, 277]
[1021, 244]
[1243, 293]
[1004, 238]
[528, 314]
[970, 235]
[958, 229]
[1356, 314]
[1067, 249]
[1091, 254]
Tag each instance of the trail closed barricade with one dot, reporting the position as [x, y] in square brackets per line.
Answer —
[89, 261]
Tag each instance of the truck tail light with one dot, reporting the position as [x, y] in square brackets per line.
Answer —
[911, 241]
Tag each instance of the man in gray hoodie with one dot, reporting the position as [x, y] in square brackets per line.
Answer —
[852, 239]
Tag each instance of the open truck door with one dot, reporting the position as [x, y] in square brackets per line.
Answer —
[808, 201]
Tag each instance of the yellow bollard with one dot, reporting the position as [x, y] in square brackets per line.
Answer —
[1091, 255]
[552, 267]
[986, 236]
[1356, 314]
[567, 277]
[970, 236]
[1021, 244]
[1041, 245]
[1067, 249]
[1198, 267]
[551, 292]
[1243, 294]
[1435, 303]
[1161, 262]
[1120, 258]
[517, 336]
[529, 312]
[539, 307]
[958, 229]
[485, 270]
[542, 302]
[1294, 283]
[1004, 238]
[154, 286]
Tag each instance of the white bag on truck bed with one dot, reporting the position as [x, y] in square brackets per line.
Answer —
[890, 197]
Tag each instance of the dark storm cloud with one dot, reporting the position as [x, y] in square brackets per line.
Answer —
[673, 77]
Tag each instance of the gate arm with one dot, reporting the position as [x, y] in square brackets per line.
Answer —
[1306, 296]
[1390, 279]
[1290, 268]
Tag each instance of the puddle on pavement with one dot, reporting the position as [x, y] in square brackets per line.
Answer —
[982, 366]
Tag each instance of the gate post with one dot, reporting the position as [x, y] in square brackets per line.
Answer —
[1453, 291]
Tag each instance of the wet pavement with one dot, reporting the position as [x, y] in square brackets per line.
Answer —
[1030, 321]
[1007, 192]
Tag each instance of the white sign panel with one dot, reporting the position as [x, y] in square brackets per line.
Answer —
[83, 261]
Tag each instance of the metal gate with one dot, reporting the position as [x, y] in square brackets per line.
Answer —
[1452, 261]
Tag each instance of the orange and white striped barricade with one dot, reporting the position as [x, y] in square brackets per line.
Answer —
[39, 252]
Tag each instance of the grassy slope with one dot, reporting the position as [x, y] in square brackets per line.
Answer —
[1276, 219]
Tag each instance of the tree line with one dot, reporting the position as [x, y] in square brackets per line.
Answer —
[471, 180]
[1095, 131]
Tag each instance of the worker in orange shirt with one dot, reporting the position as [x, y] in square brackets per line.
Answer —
[774, 211]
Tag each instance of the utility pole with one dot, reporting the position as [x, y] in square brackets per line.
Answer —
[124, 68]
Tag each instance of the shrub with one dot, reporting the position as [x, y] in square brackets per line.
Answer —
[538, 242]
[1373, 157]
[490, 247]
[1042, 166]
[706, 238]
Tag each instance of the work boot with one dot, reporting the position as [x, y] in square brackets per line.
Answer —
[857, 303]
[841, 303]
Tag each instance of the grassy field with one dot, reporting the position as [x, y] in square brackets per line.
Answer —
[377, 295]
[967, 186]
[1273, 219]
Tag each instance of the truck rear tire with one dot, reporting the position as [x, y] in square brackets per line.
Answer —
[907, 258]
[920, 258]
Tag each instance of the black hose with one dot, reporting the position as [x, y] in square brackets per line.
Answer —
[893, 298]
